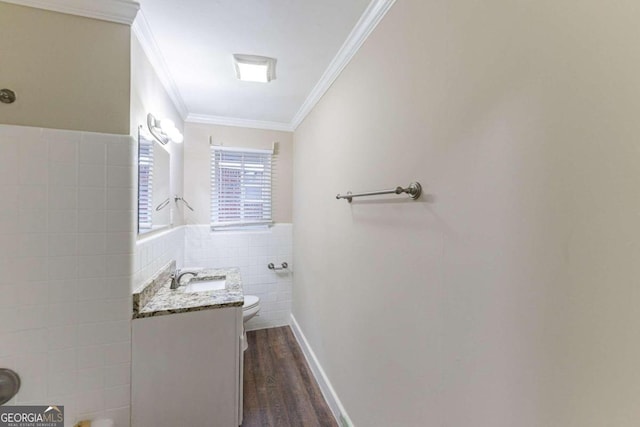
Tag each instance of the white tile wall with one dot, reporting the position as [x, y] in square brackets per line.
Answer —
[155, 251]
[251, 251]
[66, 250]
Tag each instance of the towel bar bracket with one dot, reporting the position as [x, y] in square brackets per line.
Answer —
[7, 96]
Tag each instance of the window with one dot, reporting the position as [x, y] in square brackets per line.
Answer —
[240, 187]
[145, 183]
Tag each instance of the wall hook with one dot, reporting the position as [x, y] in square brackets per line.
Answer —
[176, 198]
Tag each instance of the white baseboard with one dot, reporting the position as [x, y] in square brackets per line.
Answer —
[325, 386]
[268, 325]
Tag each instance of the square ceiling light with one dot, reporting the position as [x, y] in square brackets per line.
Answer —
[251, 68]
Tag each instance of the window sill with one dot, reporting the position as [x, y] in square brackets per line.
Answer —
[266, 228]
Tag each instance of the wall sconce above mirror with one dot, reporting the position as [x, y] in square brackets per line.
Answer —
[163, 130]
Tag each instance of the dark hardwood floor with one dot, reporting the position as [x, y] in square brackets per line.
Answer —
[279, 388]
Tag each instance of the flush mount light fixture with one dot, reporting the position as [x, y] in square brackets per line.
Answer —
[252, 68]
[164, 130]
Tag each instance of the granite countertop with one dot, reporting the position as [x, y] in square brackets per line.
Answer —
[156, 298]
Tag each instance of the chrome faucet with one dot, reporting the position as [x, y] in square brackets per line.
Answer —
[177, 275]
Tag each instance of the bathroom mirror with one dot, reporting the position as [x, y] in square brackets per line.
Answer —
[154, 192]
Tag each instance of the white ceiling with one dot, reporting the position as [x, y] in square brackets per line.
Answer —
[197, 38]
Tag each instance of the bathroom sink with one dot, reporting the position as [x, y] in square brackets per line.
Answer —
[205, 285]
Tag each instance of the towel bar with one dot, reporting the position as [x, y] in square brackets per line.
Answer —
[414, 190]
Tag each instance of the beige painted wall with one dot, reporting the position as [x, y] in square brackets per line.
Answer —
[149, 96]
[197, 166]
[509, 295]
[68, 72]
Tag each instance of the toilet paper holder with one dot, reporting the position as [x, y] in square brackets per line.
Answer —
[283, 266]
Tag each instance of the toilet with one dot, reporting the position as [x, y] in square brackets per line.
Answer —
[250, 308]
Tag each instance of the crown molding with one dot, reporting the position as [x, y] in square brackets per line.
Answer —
[142, 31]
[231, 121]
[119, 11]
[371, 17]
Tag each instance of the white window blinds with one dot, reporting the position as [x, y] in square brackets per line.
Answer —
[240, 187]
[145, 183]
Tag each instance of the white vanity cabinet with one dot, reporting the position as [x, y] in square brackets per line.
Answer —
[186, 369]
